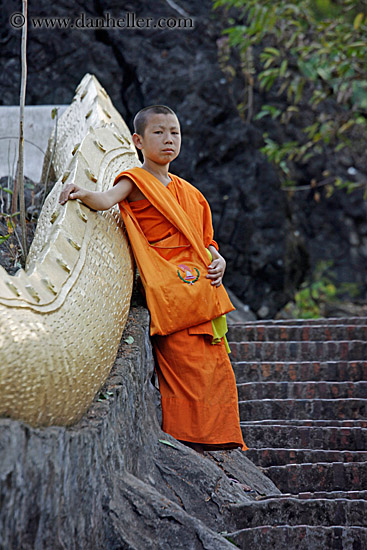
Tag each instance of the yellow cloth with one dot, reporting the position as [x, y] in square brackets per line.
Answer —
[219, 324]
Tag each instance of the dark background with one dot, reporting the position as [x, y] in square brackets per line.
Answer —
[271, 239]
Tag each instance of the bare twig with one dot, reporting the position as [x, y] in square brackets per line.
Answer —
[14, 203]
[21, 137]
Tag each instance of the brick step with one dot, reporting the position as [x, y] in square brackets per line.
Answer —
[294, 511]
[305, 437]
[325, 476]
[302, 390]
[307, 423]
[274, 333]
[332, 371]
[303, 409]
[300, 537]
[351, 350]
[266, 457]
[311, 322]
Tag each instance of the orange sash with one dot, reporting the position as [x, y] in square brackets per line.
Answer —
[173, 270]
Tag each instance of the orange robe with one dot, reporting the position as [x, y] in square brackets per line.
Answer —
[196, 380]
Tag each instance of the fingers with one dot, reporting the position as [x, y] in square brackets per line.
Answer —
[216, 271]
[70, 191]
[218, 263]
[216, 277]
[217, 281]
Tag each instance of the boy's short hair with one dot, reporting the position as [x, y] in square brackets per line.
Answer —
[141, 118]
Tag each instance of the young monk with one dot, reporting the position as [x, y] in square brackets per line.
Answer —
[170, 229]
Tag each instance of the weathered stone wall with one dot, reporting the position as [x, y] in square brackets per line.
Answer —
[108, 482]
[54, 481]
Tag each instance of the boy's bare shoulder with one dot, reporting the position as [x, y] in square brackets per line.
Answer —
[125, 182]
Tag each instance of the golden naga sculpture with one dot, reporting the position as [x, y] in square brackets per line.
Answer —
[62, 318]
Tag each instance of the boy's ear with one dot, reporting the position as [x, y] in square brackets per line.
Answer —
[137, 141]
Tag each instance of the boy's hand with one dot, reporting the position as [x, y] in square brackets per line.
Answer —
[71, 191]
[216, 270]
[98, 200]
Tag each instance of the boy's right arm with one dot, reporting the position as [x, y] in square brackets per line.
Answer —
[98, 200]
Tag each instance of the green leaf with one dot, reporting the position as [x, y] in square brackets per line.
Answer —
[360, 94]
[129, 340]
[274, 51]
[268, 110]
[283, 68]
[346, 126]
[4, 238]
[339, 147]
[358, 20]
[308, 69]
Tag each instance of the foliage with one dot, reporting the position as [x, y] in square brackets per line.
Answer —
[319, 290]
[7, 227]
[308, 52]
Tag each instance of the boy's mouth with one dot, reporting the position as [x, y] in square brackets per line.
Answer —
[169, 150]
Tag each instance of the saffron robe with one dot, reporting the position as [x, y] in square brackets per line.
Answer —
[173, 270]
[196, 380]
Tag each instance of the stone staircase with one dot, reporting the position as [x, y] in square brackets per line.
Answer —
[302, 387]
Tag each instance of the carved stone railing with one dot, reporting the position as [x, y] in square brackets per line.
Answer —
[61, 318]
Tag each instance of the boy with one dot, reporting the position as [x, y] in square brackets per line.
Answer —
[169, 226]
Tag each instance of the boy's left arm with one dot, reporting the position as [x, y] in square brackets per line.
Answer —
[217, 268]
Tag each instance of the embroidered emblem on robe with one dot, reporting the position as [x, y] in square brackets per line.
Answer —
[188, 276]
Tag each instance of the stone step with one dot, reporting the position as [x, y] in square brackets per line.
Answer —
[302, 390]
[266, 457]
[351, 350]
[346, 495]
[294, 511]
[312, 423]
[305, 437]
[300, 537]
[333, 371]
[274, 333]
[325, 476]
[310, 322]
[303, 409]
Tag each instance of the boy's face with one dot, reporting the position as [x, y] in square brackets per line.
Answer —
[161, 141]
